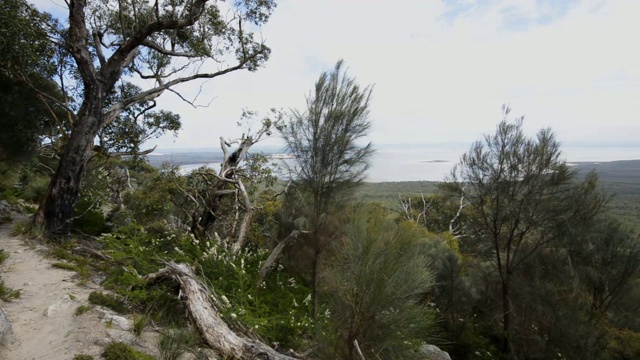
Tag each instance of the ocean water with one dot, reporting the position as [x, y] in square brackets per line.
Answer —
[434, 162]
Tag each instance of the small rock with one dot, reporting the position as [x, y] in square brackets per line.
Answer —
[121, 336]
[432, 352]
[117, 321]
[99, 279]
[6, 330]
[102, 342]
[64, 304]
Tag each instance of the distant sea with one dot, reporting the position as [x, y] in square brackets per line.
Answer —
[408, 162]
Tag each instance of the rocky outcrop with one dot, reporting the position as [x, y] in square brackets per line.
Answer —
[6, 330]
[432, 352]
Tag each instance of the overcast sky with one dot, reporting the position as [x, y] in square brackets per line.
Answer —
[442, 69]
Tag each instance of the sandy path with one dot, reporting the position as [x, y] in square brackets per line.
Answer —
[43, 318]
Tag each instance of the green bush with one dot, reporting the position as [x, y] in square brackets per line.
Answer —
[373, 283]
[278, 311]
[83, 357]
[121, 351]
[35, 190]
[108, 301]
[82, 309]
[173, 343]
[6, 293]
[89, 218]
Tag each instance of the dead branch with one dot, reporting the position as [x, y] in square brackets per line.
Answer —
[246, 220]
[270, 263]
[206, 316]
[454, 229]
[133, 153]
[355, 343]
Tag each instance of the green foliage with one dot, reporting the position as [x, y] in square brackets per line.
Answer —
[122, 351]
[83, 357]
[521, 199]
[387, 193]
[35, 190]
[139, 323]
[108, 301]
[623, 344]
[65, 266]
[6, 293]
[278, 310]
[82, 309]
[373, 284]
[89, 219]
[77, 263]
[136, 124]
[3, 256]
[174, 343]
[324, 140]
[26, 57]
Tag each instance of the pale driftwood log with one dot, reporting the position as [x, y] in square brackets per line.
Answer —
[206, 316]
[270, 263]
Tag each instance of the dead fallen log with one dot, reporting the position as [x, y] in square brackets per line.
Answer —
[206, 316]
[270, 263]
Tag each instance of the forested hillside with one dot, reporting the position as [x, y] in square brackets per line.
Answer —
[518, 255]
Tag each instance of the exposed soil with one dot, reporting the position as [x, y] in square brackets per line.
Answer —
[43, 319]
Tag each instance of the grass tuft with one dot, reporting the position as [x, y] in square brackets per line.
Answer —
[108, 301]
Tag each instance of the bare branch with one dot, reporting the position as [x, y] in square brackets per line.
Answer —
[270, 263]
[151, 94]
[97, 43]
[133, 153]
[152, 45]
[246, 220]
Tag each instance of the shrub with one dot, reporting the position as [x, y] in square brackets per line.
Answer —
[90, 219]
[83, 357]
[82, 309]
[108, 301]
[122, 351]
[173, 343]
[36, 189]
[373, 283]
[279, 310]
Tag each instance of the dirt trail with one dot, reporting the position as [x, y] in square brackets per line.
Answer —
[44, 325]
[43, 320]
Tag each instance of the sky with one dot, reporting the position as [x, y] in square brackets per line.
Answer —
[441, 70]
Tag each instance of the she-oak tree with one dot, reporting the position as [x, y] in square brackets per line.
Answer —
[162, 43]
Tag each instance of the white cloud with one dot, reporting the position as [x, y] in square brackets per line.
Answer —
[442, 74]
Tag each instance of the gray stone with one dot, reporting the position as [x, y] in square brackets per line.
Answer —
[432, 352]
[117, 321]
[99, 279]
[6, 330]
[102, 342]
[121, 336]
[60, 306]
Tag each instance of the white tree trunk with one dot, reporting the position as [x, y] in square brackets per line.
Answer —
[206, 316]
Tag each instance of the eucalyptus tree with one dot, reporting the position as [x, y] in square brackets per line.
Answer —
[158, 44]
[25, 58]
[520, 196]
[330, 157]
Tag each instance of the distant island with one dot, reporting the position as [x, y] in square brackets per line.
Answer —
[434, 161]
